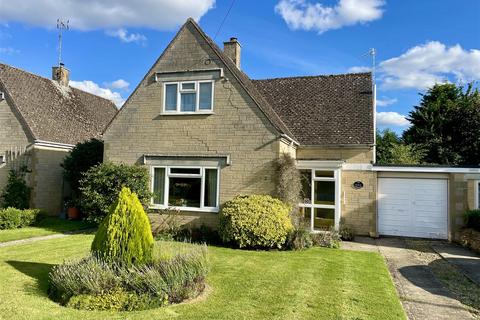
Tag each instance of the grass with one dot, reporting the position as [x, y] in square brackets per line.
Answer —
[46, 226]
[317, 283]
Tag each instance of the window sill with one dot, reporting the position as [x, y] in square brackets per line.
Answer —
[191, 209]
[192, 113]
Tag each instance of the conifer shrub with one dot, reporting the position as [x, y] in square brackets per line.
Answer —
[255, 221]
[125, 235]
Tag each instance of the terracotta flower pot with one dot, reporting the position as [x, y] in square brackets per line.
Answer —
[73, 213]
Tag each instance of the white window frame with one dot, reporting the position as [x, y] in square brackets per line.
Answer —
[476, 197]
[3, 160]
[168, 174]
[180, 90]
[337, 206]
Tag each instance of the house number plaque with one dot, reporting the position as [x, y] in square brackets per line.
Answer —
[358, 185]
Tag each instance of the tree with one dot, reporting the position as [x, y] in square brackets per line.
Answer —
[125, 235]
[82, 157]
[101, 184]
[391, 149]
[446, 124]
[16, 193]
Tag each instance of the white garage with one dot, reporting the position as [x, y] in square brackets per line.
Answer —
[413, 207]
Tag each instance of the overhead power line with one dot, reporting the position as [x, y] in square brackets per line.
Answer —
[224, 18]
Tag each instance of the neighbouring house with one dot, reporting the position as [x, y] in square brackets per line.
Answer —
[207, 133]
[40, 121]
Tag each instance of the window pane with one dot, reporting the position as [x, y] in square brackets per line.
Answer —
[306, 177]
[158, 185]
[205, 96]
[324, 192]
[188, 101]
[323, 219]
[323, 174]
[184, 192]
[210, 188]
[188, 86]
[307, 218]
[171, 97]
[185, 170]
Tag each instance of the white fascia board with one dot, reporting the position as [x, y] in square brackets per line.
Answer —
[357, 167]
[426, 169]
[50, 145]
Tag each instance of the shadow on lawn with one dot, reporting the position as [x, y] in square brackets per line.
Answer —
[38, 271]
[64, 226]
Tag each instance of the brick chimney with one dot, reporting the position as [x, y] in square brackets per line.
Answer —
[61, 75]
[232, 50]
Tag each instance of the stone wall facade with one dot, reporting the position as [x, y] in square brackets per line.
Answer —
[47, 179]
[13, 141]
[237, 127]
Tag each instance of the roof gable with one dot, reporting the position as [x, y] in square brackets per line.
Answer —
[241, 77]
[53, 112]
[324, 110]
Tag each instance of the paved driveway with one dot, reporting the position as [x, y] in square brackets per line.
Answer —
[413, 265]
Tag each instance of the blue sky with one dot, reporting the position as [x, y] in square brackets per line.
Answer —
[111, 44]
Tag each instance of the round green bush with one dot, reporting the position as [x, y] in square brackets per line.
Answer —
[12, 218]
[125, 235]
[255, 221]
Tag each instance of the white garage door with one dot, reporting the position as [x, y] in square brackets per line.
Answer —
[413, 207]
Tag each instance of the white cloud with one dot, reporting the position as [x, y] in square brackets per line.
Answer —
[391, 119]
[92, 87]
[124, 36]
[301, 14]
[359, 69]
[118, 84]
[8, 50]
[386, 102]
[104, 14]
[433, 62]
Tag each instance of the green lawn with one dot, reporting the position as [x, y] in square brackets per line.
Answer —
[313, 284]
[44, 227]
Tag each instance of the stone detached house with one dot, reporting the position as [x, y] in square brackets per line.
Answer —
[40, 122]
[207, 133]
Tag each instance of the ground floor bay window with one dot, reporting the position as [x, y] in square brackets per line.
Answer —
[320, 203]
[185, 188]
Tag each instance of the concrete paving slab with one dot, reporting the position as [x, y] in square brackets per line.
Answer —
[465, 260]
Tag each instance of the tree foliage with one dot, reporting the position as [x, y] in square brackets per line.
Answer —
[82, 157]
[125, 235]
[101, 184]
[391, 149]
[289, 184]
[16, 193]
[446, 124]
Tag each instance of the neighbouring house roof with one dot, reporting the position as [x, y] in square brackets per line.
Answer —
[324, 110]
[55, 113]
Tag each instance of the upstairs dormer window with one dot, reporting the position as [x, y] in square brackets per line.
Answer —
[188, 97]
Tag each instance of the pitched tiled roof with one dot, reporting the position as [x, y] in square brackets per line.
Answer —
[53, 112]
[324, 110]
